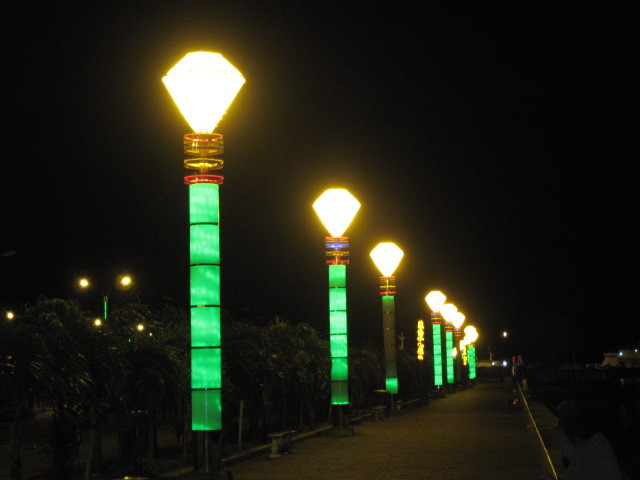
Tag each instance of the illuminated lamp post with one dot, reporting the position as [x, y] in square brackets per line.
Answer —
[449, 311]
[435, 299]
[471, 335]
[336, 208]
[203, 85]
[457, 321]
[122, 281]
[387, 256]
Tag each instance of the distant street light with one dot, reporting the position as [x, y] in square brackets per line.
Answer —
[122, 281]
[387, 256]
[203, 85]
[505, 334]
[336, 208]
[471, 335]
[10, 315]
[140, 327]
[97, 322]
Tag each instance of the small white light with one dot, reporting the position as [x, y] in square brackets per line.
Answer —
[504, 363]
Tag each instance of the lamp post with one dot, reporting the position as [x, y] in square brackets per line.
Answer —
[471, 335]
[203, 85]
[457, 321]
[435, 299]
[336, 208]
[387, 256]
[122, 281]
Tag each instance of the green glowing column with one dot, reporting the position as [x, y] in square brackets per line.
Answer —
[206, 354]
[436, 326]
[338, 334]
[471, 355]
[449, 353]
[389, 326]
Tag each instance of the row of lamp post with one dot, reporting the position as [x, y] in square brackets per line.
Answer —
[203, 85]
[449, 348]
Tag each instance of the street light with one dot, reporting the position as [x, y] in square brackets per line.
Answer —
[449, 312]
[387, 256]
[471, 335]
[122, 281]
[203, 85]
[435, 299]
[336, 208]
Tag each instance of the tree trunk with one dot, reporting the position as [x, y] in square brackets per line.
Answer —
[92, 440]
[15, 457]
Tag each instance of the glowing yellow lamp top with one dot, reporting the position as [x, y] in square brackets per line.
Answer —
[435, 299]
[203, 85]
[386, 256]
[336, 207]
[448, 311]
[470, 333]
[458, 319]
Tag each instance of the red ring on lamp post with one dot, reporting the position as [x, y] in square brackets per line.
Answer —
[203, 178]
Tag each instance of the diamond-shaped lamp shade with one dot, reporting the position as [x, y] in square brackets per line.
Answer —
[458, 319]
[435, 299]
[448, 311]
[203, 85]
[470, 334]
[336, 207]
[386, 256]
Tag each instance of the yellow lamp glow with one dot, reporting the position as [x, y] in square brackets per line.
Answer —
[83, 283]
[386, 256]
[448, 311]
[97, 322]
[458, 319]
[470, 333]
[454, 352]
[125, 281]
[203, 85]
[505, 334]
[435, 299]
[10, 315]
[140, 327]
[336, 207]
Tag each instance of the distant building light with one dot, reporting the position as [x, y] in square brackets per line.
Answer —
[493, 364]
[505, 363]
[619, 354]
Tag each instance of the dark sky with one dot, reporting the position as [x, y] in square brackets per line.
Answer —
[490, 140]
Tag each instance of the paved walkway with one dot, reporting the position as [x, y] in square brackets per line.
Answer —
[474, 434]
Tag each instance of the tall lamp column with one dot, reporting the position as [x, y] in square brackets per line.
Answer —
[435, 299]
[336, 207]
[387, 256]
[203, 85]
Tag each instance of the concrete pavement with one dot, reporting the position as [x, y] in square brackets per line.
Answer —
[474, 434]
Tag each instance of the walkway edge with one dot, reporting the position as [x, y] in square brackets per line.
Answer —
[545, 446]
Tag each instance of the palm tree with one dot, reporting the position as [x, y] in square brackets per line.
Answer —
[24, 373]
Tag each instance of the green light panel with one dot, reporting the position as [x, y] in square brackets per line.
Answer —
[205, 326]
[339, 368]
[338, 299]
[206, 368]
[337, 276]
[204, 243]
[340, 392]
[471, 352]
[204, 255]
[338, 345]
[388, 303]
[205, 285]
[437, 354]
[338, 334]
[206, 408]
[204, 203]
[392, 385]
[338, 322]
[450, 360]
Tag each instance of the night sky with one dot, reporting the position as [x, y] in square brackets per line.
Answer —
[489, 140]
